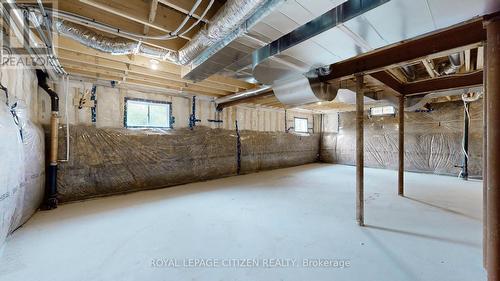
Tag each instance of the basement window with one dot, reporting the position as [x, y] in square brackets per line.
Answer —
[140, 113]
[300, 125]
[383, 111]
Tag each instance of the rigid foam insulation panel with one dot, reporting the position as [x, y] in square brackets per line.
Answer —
[106, 161]
[433, 140]
[21, 169]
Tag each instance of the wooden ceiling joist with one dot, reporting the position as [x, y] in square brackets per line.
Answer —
[450, 40]
[141, 11]
[72, 52]
[429, 67]
[133, 15]
[451, 82]
[185, 6]
[152, 15]
[68, 58]
[388, 80]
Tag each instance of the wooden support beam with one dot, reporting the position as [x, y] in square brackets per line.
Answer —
[453, 39]
[71, 50]
[485, 167]
[360, 150]
[253, 99]
[389, 81]
[184, 7]
[429, 67]
[73, 46]
[444, 83]
[493, 154]
[142, 76]
[430, 85]
[401, 146]
[467, 60]
[396, 72]
[480, 58]
[127, 15]
[152, 15]
[140, 9]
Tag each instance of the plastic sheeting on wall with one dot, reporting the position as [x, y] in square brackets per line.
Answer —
[433, 140]
[11, 169]
[22, 169]
[32, 189]
[107, 161]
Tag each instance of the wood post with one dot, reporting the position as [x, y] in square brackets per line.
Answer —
[401, 139]
[359, 150]
[485, 165]
[493, 143]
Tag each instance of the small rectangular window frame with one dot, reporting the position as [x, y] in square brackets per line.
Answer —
[148, 101]
[301, 118]
[382, 115]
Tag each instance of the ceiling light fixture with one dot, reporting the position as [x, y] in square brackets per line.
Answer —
[154, 64]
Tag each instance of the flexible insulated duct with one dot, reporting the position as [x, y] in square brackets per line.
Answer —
[455, 64]
[232, 16]
[115, 46]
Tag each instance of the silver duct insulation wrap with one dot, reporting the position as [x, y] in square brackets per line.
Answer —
[300, 90]
[115, 46]
[414, 103]
[230, 22]
[455, 64]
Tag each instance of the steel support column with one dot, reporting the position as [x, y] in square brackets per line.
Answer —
[493, 144]
[359, 150]
[485, 164]
[401, 139]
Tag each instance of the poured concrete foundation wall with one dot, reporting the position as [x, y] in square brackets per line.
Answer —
[433, 140]
[107, 161]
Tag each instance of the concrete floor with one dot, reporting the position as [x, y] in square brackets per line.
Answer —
[290, 214]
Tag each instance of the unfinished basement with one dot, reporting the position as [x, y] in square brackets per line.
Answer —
[250, 140]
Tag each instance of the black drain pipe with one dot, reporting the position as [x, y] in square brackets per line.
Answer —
[238, 148]
[51, 183]
[192, 117]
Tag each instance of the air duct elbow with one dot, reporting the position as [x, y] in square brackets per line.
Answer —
[454, 66]
[300, 90]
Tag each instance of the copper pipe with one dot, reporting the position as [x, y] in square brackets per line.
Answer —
[54, 126]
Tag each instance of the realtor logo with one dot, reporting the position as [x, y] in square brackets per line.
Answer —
[25, 36]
